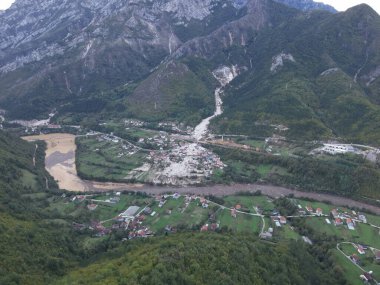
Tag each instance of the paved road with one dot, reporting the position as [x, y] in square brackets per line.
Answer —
[269, 190]
[348, 257]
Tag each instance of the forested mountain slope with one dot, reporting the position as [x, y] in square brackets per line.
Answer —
[206, 259]
[39, 245]
[35, 244]
[322, 83]
[316, 72]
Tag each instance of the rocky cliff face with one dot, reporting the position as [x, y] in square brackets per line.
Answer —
[74, 47]
[307, 5]
[152, 59]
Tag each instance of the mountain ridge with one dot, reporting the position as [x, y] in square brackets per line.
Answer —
[112, 51]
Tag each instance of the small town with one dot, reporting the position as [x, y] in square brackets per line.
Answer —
[149, 215]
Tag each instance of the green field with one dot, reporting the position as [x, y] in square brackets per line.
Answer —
[351, 271]
[363, 233]
[286, 232]
[102, 160]
[253, 143]
[29, 179]
[176, 213]
[242, 222]
[367, 261]
[326, 208]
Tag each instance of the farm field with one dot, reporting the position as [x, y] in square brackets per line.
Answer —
[107, 160]
[365, 261]
[240, 214]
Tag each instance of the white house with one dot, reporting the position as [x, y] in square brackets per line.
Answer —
[337, 148]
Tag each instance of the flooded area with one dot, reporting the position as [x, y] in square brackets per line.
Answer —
[60, 160]
[60, 163]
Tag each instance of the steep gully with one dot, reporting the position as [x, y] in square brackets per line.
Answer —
[224, 75]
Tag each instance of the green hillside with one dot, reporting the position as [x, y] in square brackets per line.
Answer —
[34, 245]
[324, 92]
[205, 259]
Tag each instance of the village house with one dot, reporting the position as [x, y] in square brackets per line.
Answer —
[338, 222]
[362, 218]
[158, 198]
[367, 276]
[130, 212]
[214, 226]
[276, 221]
[302, 212]
[202, 200]
[350, 224]
[162, 203]
[355, 259]
[266, 235]
[92, 207]
[334, 213]
[361, 249]
[282, 220]
[307, 240]
[319, 212]
[79, 198]
[147, 211]
[204, 228]
[337, 148]
[309, 209]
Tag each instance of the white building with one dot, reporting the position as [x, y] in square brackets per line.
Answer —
[337, 148]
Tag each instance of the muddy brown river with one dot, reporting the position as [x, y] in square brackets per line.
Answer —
[60, 163]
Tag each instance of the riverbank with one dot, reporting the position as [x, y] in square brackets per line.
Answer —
[60, 163]
[268, 190]
[60, 160]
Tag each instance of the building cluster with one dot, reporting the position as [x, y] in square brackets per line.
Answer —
[189, 163]
[109, 138]
[175, 127]
[210, 227]
[278, 220]
[167, 126]
[350, 219]
[337, 149]
[308, 210]
[125, 148]
[369, 153]
[134, 123]
[161, 142]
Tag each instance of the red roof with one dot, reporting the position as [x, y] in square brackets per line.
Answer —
[204, 228]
